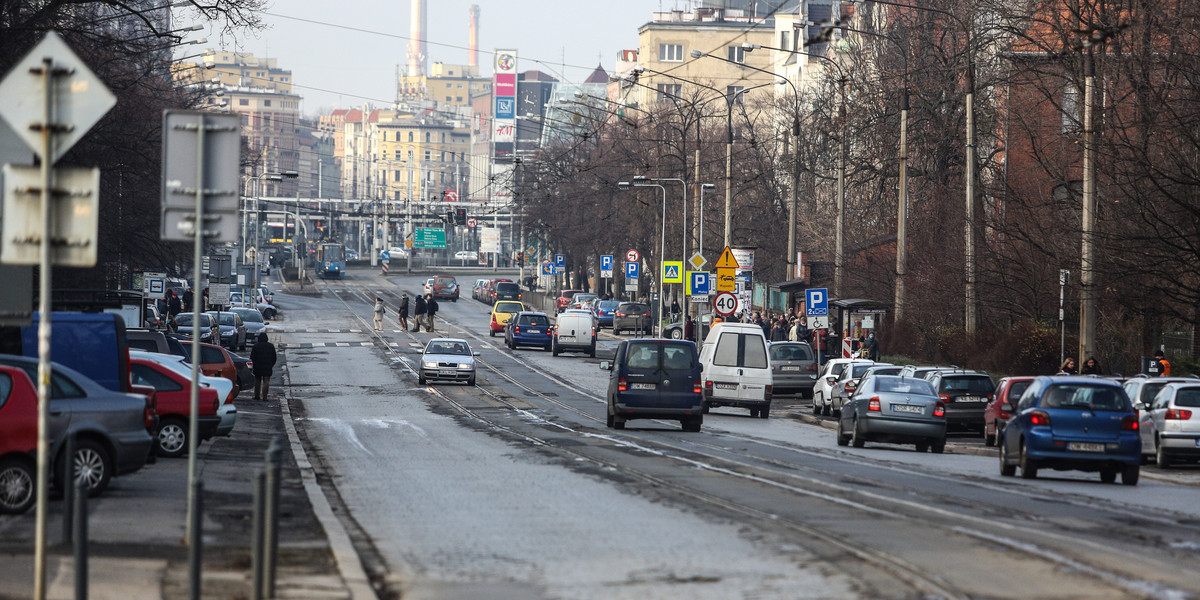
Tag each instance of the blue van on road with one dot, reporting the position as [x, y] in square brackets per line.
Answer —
[655, 379]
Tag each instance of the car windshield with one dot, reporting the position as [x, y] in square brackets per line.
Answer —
[975, 386]
[903, 385]
[1189, 396]
[1150, 390]
[540, 320]
[569, 294]
[886, 370]
[446, 347]
[509, 307]
[444, 280]
[1082, 396]
[648, 355]
[634, 309]
[226, 319]
[249, 314]
[791, 352]
[185, 320]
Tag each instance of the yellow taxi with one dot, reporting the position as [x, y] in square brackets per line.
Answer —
[502, 311]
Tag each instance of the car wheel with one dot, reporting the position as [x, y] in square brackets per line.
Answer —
[618, 422]
[1028, 465]
[842, 438]
[92, 464]
[1160, 455]
[825, 410]
[172, 441]
[492, 333]
[1130, 474]
[471, 381]
[704, 409]
[691, 425]
[938, 447]
[1006, 470]
[837, 412]
[609, 421]
[988, 440]
[922, 447]
[554, 347]
[856, 438]
[592, 351]
[816, 405]
[421, 379]
[1108, 475]
[764, 412]
[677, 334]
[17, 488]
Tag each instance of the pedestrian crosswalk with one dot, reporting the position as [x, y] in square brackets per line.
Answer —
[295, 345]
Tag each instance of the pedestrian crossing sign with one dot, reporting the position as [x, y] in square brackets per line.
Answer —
[672, 271]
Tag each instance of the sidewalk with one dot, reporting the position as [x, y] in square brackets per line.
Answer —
[138, 524]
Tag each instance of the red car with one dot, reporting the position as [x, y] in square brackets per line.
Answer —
[216, 361]
[445, 287]
[173, 392]
[1000, 409]
[18, 441]
[564, 299]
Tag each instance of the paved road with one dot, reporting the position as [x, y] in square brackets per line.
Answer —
[516, 488]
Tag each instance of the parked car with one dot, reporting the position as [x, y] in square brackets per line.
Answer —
[445, 287]
[575, 331]
[233, 330]
[254, 323]
[174, 405]
[94, 344]
[846, 384]
[793, 368]
[465, 255]
[18, 441]
[447, 359]
[675, 330]
[1167, 426]
[922, 371]
[1073, 423]
[999, 410]
[896, 410]
[216, 361]
[528, 329]
[631, 316]
[245, 371]
[152, 319]
[604, 311]
[210, 332]
[582, 301]
[966, 395]
[655, 379]
[501, 312]
[154, 341]
[110, 426]
[823, 385]
[1143, 390]
[736, 370]
[225, 388]
[479, 289]
[564, 299]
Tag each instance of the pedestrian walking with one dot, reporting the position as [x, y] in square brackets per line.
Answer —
[174, 306]
[378, 314]
[263, 357]
[187, 300]
[402, 311]
[418, 313]
[1068, 367]
[431, 308]
[1091, 367]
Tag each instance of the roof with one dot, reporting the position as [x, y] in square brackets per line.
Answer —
[598, 76]
[862, 303]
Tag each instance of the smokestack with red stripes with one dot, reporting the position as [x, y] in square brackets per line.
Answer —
[416, 42]
[473, 38]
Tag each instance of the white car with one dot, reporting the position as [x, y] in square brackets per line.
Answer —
[428, 287]
[846, 383]
[224, 387]
[447, 359]
[465, 255]
[823, 387]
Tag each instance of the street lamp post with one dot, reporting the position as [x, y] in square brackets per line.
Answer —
[624, 185]
[685, 219]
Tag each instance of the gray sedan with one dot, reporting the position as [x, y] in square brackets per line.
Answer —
[897, 410]
[447, 359]
[253, 320]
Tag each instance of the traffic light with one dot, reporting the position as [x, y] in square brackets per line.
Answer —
[460, 216]
[520, 259]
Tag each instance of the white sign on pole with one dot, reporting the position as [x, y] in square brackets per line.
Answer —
[76, 216]
[218, 294]
[821, 322]
[154, 285]
[181, 179]
[489, 239]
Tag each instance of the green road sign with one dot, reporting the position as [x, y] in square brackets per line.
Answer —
[428, 237]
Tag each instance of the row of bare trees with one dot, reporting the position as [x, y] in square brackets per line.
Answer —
[1024, 62]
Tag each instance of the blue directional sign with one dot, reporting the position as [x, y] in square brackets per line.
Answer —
[547, 268]
[631, 270]
[816, 302]
[699, 283]
[385, 255]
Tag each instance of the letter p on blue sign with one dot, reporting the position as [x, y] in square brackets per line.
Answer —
[817, 302]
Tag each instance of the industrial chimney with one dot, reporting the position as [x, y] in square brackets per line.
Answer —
[473, 39]
[416, 43]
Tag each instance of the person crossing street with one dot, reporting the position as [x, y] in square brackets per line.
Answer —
[378, 314]
[431, 308]
[418, 313]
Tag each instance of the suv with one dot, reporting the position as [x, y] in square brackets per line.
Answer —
[655, 379]
[445, 287]
[630, 315]
[564, 299]
[965, 394]
[506, 290]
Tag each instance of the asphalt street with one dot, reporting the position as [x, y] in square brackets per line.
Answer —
[517, 489]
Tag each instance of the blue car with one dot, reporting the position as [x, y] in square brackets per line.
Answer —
[655, 379]
[528, 329]
[1073, 423]
[604, 311]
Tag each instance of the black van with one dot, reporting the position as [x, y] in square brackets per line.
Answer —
[655, 379]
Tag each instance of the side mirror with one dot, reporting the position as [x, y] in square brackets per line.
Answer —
[605, 365]
[1006, 407]
[266, 322]
[474, 353]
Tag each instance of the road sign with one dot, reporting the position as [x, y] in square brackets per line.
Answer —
[726, 280]
[631, 270]
[154, 285]
[430, 237]
[385, 255]
[818, 322]
[816, 302]
[216, 175]
[697, 261]
[699, 283]
[727, 261]
[489, 240]
[79, 98]
[725, 304]
[76, 216]
[547, 268]
[606, 266]
[451, 196]
[472, 222]
[218, 294]
[632, 256]
[672, 271]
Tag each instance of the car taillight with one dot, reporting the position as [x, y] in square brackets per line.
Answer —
[767, 393]
[620, 314]
[1178, 414]
[518, 296]
[216, 405]
[812, 368]
[148, 413]
[622, 385]
[697, 387]
[944, 397]
[1039, 418]
[873, 404]
[939, 410]
[850, 385]
[229, 398]
[516, 329]
[1130, 422]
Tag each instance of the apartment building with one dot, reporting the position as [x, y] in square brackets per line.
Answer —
[446, 85]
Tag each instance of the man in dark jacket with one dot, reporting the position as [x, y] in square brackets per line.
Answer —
[418, 313]
[263, 357]
[174, 306]
[431, 308]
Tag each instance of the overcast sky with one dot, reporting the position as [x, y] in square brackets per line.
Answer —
[333, 66]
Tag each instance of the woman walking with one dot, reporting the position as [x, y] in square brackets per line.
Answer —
[263, 357]
[378, 314]
[402, 311]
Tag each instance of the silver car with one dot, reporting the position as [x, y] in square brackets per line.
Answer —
[233, 330]
[793, 368]
[447, 359]
[254, 323]
[847, 382]
[897, 410]
[1171, 424]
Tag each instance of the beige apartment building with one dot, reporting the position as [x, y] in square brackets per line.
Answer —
[445, 84]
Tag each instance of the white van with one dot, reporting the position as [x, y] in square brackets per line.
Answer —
[574, 331]
[736, 369]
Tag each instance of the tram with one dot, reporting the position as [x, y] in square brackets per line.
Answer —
[331, 260]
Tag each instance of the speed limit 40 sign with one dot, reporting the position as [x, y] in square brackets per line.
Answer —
[725, 304]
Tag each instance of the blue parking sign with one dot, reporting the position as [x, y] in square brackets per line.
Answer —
[560, 260]
[631, 270]
[816, 302]
[698, 283]
[606, 262]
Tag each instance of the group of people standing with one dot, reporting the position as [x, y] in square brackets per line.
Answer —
[1090, 367]
[424, 308]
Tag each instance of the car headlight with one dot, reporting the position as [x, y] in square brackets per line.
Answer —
[429, 364]
[466, 366]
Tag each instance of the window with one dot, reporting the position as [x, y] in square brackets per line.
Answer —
[396, 175]
[734, 93]
[427, 137]
[669, 91]
[783, 40]
[737, 54]
[443, 157]
[428, 155]
[5, 388]
[447, 98]
[670, 52]
[145, 375]
[726, 354]
[458, 99]
[443, 137]
[1071, 122]
[410, 136]
[266, 102]
[410, 155]
[243, 102]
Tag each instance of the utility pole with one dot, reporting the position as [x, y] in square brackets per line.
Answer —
[971, 318]
[902, 211]
[839, 240]
[794, 204]
[1087, 275]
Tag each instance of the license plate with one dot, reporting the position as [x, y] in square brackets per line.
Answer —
[447, 372]
[644, 386]
[726, 386]
[566, 338]
[905, 408]
[789, 369]
[1085, 447]
[969, 399]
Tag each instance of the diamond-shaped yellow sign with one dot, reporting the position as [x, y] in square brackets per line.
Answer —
[697, 261]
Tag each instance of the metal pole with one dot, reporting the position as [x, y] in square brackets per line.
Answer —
[257, 539]
[902, 212]
[794, 203]
[1062, 327]
[68, 478]
[43, 383]
[194, 394]
[271, 517]
[728, 172]
[195, 549]
[969, 228]
[81, 535]
[662, 256]
[839, 240]
[1087, 275]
